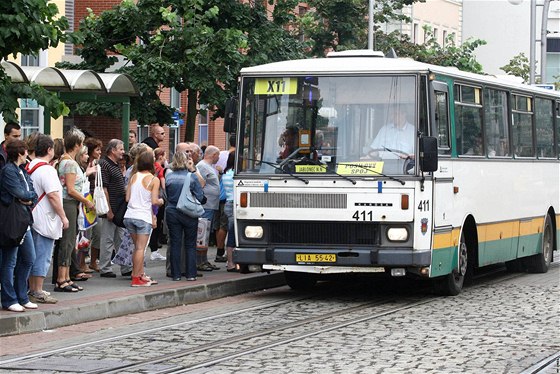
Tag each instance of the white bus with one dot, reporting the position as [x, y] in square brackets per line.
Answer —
[357, 163]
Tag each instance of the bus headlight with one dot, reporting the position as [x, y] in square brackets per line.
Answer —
[397, 234]
[254, 232]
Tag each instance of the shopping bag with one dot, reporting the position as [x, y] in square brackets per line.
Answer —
[203, 233]
[87, 218]
[123, 257]
[99, 198]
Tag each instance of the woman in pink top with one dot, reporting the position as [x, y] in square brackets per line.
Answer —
[141, 193]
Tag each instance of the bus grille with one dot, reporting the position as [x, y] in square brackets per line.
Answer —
[332, 233]
[297, 200]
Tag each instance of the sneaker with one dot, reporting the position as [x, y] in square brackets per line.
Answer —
[16, 308]
[42, 298]
[220, 259]
[139, 282]
[30, 305]
[156, 256]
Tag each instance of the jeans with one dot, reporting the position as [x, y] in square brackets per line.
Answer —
[228, 209]
[14, 271]
[182, 231]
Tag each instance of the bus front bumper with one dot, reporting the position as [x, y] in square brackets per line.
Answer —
[355, 257]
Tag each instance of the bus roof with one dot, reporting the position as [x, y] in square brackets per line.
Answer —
[350, 64]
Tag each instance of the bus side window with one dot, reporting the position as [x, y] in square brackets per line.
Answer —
[544, 127]
[442, 121]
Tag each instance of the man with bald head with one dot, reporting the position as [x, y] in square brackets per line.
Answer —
[210, 183]
[157, 134]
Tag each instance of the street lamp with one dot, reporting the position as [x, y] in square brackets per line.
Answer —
[533, 37]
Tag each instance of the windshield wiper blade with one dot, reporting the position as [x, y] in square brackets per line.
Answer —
[315, 162]
[376, 172]
[279, 168]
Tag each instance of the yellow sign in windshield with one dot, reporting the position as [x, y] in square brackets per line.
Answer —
[311, 169]
[360, 168]
[276, 86]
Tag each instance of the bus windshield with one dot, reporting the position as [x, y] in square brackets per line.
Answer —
[350, 125]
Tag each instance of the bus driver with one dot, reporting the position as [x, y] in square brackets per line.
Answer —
[395, 139]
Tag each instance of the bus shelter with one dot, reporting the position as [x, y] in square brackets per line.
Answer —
[78, 86]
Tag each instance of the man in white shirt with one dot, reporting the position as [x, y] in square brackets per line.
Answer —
[48, 216]
[396, 139]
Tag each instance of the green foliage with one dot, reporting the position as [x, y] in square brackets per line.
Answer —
[191, 45]
[342, 24]
[27, 26]
[431, 52]
[518, 66]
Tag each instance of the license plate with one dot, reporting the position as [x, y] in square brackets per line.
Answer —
[313, 257]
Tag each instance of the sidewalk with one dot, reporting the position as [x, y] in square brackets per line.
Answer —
[113, 297]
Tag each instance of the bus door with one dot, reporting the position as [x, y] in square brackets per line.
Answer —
[443, 177]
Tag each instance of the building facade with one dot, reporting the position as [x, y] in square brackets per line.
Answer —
[505, 25]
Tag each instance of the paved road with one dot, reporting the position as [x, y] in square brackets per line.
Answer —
[503, 324]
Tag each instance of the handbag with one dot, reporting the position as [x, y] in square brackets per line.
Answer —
[14, 220]
[99, 198]
[188, 204]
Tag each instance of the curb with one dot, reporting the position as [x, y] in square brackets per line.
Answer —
[46, 320]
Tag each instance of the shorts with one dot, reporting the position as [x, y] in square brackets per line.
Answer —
[223, 222]
[137, 226]
[212, 216]
[43, 254]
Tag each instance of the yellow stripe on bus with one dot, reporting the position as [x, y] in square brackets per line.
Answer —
[494, 231]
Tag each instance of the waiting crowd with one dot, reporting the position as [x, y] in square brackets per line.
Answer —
[69, 202]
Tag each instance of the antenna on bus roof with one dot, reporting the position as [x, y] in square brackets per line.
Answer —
[391, 53]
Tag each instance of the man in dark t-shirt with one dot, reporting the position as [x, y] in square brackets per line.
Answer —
[156, 138]
[115, 190]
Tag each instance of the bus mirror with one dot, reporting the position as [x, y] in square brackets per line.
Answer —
[428, 154]
[230, 115]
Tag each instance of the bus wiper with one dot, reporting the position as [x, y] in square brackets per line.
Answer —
[315, 162]
[376, 172]
[278, 168]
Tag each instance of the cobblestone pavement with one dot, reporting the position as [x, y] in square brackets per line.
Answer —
[503, 325]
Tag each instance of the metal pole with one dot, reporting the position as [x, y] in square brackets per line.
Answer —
[544, 32]
[533, 38]
[371, 41]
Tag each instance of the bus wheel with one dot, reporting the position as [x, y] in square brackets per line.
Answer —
[539, 263]
[300, 281]
[452, 284]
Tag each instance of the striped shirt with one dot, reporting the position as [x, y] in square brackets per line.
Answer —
[113, 181]
[227, 183]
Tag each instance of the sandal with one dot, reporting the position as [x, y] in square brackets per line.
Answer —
[214, 267]
[86, 270]
[81, 277]
[74, 286]
[94, 268]
[68, 288]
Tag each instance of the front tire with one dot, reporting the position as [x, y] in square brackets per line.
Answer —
[300, 281]
[540, 262]
[452, 283]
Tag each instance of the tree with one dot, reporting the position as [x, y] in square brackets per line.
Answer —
[27, 26]
[431, 52]
[518, 66]
[342, 24]
[197, 46]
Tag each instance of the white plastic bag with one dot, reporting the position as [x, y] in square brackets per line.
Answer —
[99, 198]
